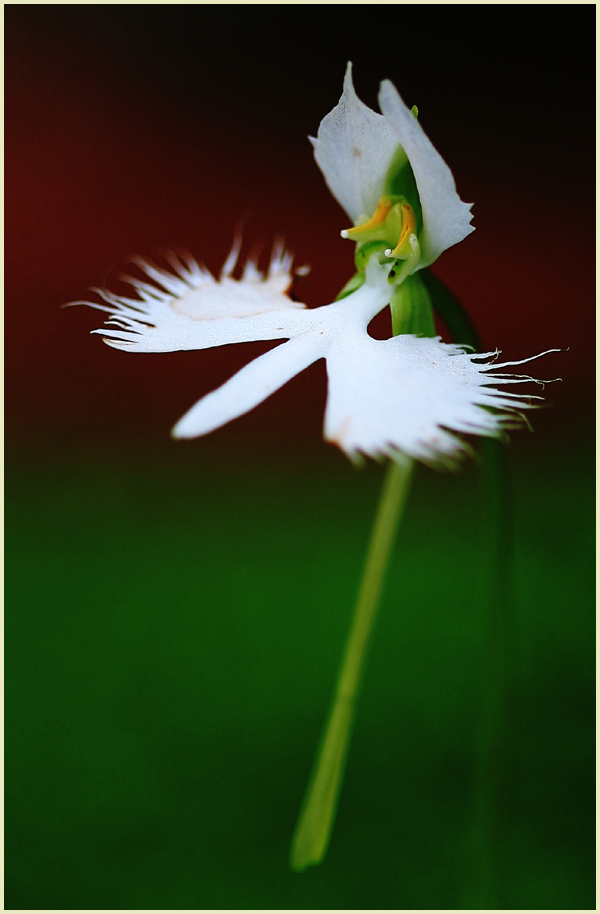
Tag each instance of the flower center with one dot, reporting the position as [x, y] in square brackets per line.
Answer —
[393, 221]
[395, 224]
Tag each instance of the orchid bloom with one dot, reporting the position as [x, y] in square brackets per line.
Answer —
[406, 395]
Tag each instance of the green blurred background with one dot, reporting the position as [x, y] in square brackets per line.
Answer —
[175, 613]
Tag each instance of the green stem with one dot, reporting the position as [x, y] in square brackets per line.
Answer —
[317, 815]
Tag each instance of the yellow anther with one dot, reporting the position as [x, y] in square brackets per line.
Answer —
[378, 218]
[409, 227]
[393, 218]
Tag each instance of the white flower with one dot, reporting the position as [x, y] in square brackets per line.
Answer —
[405, 395]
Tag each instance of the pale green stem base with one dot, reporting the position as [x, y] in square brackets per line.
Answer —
[317, 815]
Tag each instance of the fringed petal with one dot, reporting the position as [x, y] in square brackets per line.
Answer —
[189, 309]
[411, 395]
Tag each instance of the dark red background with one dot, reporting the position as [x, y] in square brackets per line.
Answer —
[133, 128]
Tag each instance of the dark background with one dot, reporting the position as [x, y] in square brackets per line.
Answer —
[176, 611]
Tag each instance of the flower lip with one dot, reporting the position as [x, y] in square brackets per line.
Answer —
[406, 395]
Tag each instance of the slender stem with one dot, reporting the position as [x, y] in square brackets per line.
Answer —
[317, 815]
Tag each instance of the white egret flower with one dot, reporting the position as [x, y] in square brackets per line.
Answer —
[408, 395]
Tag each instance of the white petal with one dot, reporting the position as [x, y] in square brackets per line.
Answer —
[353, 149]
[408, 394]
[191, 310]
[250, 386]
[446, 219]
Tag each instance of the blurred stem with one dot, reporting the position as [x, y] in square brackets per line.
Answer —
[315, 823]
[490, 793]
[491, 770]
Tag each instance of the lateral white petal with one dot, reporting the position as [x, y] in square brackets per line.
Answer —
[250, 386]
[161, 329]
[353, 148]
[446, 219]
[409, 394]
[191, 310]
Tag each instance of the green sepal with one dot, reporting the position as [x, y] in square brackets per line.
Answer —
[354, 283]
[411, 308]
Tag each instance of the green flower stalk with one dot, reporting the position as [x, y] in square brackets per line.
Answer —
[317, 816]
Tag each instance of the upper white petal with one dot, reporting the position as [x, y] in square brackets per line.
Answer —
[353, 148]
[446, 219]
